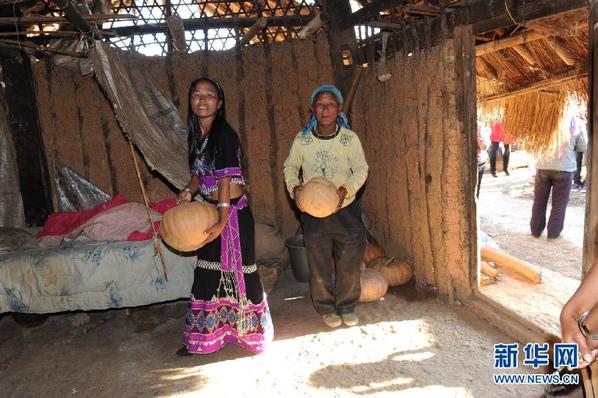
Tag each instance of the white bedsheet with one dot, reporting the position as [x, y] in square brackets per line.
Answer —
[91, 275]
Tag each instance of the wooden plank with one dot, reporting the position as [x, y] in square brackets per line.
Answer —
[509, 322]
[590, 247]
[509, 262]
[485, 16]
[540, 85]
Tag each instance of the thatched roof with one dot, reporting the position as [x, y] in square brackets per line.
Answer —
[530, 73]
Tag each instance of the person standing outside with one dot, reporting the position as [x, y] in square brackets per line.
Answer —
[497, 136]
[554, 171]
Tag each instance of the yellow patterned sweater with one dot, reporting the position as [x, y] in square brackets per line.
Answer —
[338, 157]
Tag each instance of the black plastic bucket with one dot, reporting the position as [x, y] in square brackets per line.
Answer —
[299, 263]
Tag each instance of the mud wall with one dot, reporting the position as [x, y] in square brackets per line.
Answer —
[267, 90]
[421, 152]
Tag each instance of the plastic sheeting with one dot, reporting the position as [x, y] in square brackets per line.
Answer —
[148, 118]
[75, 192]
[11, 201]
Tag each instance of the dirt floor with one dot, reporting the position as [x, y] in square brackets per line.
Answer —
[408, 344]
[505, 207]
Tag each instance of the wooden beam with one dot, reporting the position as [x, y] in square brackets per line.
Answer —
[370, 10]
[19, 43]
[529, 88]
[71, 12]
[212, 23]
[254, 30]
[422, 9]
[59, 20]
[526, 55]
[384, 25]
[176, 32]
[562, 51]
[509, 42]
[58, 33]
[486, 16]
[590, 245]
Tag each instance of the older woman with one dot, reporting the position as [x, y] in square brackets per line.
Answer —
[328, 148]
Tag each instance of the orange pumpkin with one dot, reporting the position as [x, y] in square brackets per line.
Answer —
[373, 285]
[372, 251]
[318, 197]
[184, 227]
[394, 271]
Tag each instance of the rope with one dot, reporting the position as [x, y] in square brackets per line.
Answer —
[157, 247]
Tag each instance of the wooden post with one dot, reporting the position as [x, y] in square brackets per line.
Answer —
[590, 246]
[463, 280]
[26, 131]
[340, 37]
[357, 72]
[254, 30]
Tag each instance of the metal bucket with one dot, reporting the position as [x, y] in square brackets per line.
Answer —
[299, 263]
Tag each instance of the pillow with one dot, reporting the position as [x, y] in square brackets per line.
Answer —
[13, 238]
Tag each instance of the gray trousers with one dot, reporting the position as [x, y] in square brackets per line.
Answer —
[341, 237]
[560, 184]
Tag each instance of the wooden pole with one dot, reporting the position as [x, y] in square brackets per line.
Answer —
[526, 55]
[563, 52]
[59, 20]
[177, 33]
[157, 249]
[530, 88]
[254, 30]
[357, 72]
[509, 42]
[16, 43]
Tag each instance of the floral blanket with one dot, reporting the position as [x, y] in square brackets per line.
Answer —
[90, 275]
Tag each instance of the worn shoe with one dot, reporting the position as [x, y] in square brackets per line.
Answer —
[350, 319]
[553, 238]
[332, 320]
[494, 174]
[183, 352]
[507, 172]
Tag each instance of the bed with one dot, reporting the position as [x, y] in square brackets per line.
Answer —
[90, 275]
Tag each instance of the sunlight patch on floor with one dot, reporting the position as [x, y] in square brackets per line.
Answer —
[368, 359]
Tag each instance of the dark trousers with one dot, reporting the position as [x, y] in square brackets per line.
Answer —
[505, 156]
[560, 183]
[481, 168]
[341, 237]
[577, 176]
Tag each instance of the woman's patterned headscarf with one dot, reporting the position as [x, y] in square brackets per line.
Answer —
[326, 88]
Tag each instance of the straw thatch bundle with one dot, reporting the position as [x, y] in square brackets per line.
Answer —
[534, 120]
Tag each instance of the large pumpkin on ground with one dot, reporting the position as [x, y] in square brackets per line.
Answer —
[373, 285]
[372, 251]
[184, 227]
[396, 272]
[318, 197]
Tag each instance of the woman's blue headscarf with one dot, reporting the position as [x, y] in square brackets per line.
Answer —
[326, 88]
